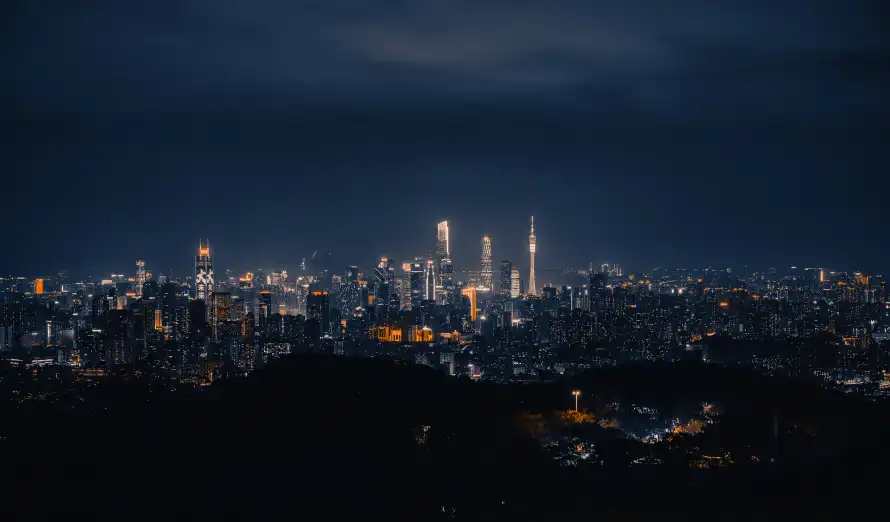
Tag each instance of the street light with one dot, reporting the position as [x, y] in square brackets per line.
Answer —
[576, 393]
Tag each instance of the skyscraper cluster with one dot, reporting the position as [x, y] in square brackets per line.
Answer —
[189, 324]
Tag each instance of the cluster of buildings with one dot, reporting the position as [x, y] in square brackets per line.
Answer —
[486, 322]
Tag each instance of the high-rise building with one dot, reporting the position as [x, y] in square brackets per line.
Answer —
[140, 277]
[384, 273]
[429, 280]
[531, 251]
[446, 282]
[405, 287]
[204, 283]
[470, 293]
[222, 311]
[412, 284]
[443, 241]
[506, 274]
[203, 272]
[276, 282]
[444, 270]
[264, 304]
[515, 284]
[385, 298]
[485, 274]
[150, 290]
[318, 308]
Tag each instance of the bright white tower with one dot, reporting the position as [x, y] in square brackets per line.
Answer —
[531, 267]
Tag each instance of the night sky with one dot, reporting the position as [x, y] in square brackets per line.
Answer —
[642, 132]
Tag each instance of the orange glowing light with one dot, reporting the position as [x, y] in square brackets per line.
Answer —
[471, 293]
[38, 286]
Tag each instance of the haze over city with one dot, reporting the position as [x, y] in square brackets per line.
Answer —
[668, 133]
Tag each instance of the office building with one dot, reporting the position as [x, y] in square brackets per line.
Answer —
[318, 309]
[140, 277]
[204, 284]
[506, 275]
[222, 311]
[429, 280]
[470, 293]
[485, 276]
[443, 241]
[412, 288]
[444, 283]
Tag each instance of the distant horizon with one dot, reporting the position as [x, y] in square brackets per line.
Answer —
[294, 271]
[675, 134]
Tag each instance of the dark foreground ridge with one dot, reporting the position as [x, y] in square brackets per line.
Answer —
[320, 437]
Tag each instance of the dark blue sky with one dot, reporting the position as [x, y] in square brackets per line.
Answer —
[643, 132]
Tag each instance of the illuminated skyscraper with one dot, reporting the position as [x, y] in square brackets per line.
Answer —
[485, 274]
[204, 273]
[412, 276]
[506, 274]
[276, 282]
[383, 274]
[405, 287]
[531, 267]
[515, 283]
[446, 280]
[140, 277]
[429, 280]
[444, 271]
[443, 241]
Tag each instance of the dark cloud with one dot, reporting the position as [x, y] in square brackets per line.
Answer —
[645, 131]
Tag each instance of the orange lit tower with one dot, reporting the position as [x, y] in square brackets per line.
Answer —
[470, 292]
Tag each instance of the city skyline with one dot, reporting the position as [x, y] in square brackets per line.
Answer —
[488, 259]
[202, 266]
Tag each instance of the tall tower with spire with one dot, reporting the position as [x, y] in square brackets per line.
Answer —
[531, 266]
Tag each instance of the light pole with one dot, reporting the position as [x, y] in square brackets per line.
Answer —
[576, 393]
